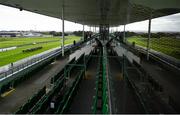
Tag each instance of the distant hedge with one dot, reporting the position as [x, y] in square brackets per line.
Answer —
[32, 49]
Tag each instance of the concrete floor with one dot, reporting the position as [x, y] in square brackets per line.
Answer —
[169, 80]
[83, 101]
[124, 99]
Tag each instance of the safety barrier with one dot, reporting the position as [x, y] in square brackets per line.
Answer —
[57, 76]
[40, 105]
[61, 73]
[106, 91]
[36, 59]
[133, 86]
[102, 98]
[78, 63]
[12, 82]
[25, 108]
[154, 83]
[20, 75]
[95, 100]
[137, 93]
[67, 98]
[43, 103]
[81, 59]
[70, 92]
[88, 58]
[64, 100]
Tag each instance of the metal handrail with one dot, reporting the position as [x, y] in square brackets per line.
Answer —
[31, 62]
[158, 57]
[106, 82]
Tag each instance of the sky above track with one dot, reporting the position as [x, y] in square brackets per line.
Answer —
[13, 19]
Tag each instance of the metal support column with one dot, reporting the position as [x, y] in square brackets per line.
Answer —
[149, 37]
[124, 34]
[63, 29]
[83, 34]
[104, 32]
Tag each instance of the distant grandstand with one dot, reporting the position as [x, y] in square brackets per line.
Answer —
[19, 34]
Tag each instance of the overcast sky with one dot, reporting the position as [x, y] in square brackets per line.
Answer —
[13, 19]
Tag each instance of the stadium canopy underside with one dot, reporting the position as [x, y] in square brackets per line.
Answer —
[99, 12]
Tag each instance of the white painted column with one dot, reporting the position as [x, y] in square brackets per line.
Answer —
[124, 34]
[63, 29]
[149, 37]
[83, 34]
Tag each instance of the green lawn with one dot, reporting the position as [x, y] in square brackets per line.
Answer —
[169, 46]
[9, 42]
[17, 54]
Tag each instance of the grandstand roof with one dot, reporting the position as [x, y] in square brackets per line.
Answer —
[96, 12]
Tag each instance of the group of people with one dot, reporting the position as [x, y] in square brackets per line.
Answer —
[87, 35]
